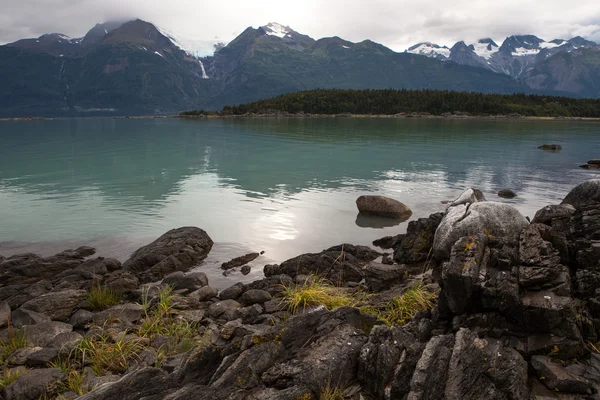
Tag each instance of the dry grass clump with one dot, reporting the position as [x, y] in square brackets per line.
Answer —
[401, 309]
[317, 292]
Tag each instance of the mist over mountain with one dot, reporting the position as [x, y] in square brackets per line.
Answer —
[134, 68]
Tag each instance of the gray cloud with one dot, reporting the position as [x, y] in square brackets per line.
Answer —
[396, 24]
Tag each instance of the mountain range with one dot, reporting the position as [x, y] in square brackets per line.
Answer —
[135, 68]
[571, 66]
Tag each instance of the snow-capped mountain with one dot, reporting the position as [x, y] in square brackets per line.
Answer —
[516, 56]
[430, 50]
[276, 29]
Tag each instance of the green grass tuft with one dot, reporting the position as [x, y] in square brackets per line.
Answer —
[8, 377]
[101, 298]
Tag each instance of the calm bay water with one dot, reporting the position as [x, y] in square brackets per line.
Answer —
[285, 186]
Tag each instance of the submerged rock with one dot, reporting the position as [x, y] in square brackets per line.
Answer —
[382, 206]
[550, 147]
[507, 194]
[240, 261]
[177, 250]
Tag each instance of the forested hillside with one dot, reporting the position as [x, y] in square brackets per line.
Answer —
[435, 102]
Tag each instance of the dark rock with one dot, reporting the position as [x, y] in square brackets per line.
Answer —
[205, 293]
[594, 161]
[415, 246]
[42, 334]
[21, 317]
[246, 269]
[121, 282]
[460, 276]
[489, 218]
[239, 261]
[42, 357]
[193, 316]
[387, 260]
[469, 196]
[248, 314]
[388, 242]
[382, 207]
[65, 342]
[429, 379]
[172, 362]
[483, 368]
[224, 309]
[30, 268]
[127, 313]
[589, 166]
[229, 328]
[189, 282]
[57, 305]
[4, 315]
[550, 147]
[273, 284]
[507, 194]
[145, 383]
[35, 384]
[387, 362]
[586, 193]
[81, 318]
[100, 265]
[381, 276]
[19, 356]
[232, 292]
[556, 377]
[177, 250]
[255, 296]
[341, 263]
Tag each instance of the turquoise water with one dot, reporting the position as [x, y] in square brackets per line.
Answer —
[285, 186]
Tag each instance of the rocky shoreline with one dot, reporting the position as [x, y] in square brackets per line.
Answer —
[475, 302]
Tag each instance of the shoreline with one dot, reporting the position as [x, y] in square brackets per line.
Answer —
[321, 116]
[491, 296]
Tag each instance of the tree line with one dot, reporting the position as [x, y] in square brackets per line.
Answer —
[434, 102]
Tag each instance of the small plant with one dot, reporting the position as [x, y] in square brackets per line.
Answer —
[9, 376]
[16, 340]
[330, 392]
[75, 383]
[316, 292]
[403, 308]
[104, 354]
[101, 298]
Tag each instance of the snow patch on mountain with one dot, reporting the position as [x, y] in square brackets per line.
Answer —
[194, 47]
[552, 45]
[276, 29]
[430, 50]
[485, 50]
[522, 51]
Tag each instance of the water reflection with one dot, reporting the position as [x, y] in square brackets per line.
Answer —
[285, 186]
[370, 221]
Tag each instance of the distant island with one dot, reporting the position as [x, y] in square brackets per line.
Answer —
[410, 102]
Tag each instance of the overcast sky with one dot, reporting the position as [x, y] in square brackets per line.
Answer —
[394, 23]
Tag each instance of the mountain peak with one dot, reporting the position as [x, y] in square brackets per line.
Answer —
[277, 29]
[431, 50]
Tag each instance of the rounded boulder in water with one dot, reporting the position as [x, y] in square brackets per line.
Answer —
[382, 206]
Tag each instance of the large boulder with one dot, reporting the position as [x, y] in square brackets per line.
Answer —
[415, 246]
[341, 263]
[30, 268]
[57, 305]
[489, 218]
[586, 193]
[469, 196]
[35, 384]
[382, 207]
[177, 250]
